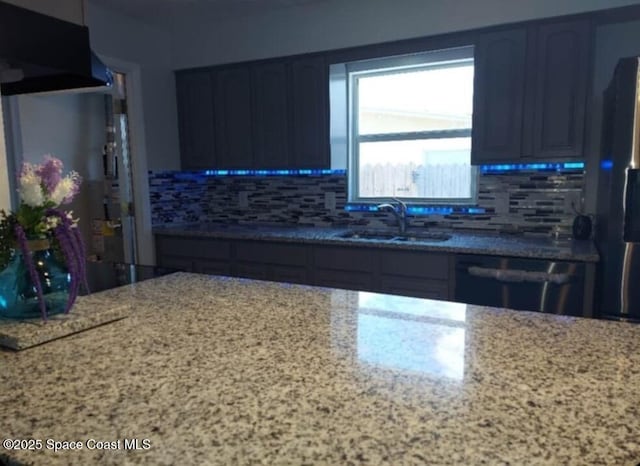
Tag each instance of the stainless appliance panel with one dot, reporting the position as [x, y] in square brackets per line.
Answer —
[618, 294]
[523, 284]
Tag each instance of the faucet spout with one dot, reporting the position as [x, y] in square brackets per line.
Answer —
[399, 211]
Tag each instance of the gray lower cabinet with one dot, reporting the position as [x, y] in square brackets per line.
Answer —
[200, 255]
[342, 267]
[271, 261]
[212, 267]
[411, 273]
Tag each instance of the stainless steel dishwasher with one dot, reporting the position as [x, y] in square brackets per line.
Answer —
[524, 284]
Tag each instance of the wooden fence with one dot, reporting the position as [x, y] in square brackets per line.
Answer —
[410, 180]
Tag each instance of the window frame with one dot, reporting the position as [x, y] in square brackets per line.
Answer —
[438, 59]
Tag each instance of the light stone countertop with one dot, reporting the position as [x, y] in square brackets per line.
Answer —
[215, 370]
[462, 242]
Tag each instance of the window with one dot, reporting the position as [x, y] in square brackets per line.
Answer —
[409, 128]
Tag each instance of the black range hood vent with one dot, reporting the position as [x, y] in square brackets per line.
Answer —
[39, 53]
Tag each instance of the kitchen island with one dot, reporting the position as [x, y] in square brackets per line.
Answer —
[215, 370]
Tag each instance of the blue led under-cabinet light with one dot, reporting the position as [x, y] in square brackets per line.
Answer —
[517, 167]
[606, 164]
[418, 210]
[275, 172]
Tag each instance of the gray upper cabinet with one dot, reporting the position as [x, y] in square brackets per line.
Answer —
[233, 118]
[498, 95]
[563, 56]
[269, 114]
[196, 119]
[530, 92]
[310, 112]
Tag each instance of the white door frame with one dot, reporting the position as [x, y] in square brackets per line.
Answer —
[137, 144]
[7, 167]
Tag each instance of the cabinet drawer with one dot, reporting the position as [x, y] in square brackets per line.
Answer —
[212, 267]
[281, 273]
[272, 253]
[415, 264]
[251, 270]
[194, 247]
[336, 258]
[420, 288]
[184, 264]
[343, 280]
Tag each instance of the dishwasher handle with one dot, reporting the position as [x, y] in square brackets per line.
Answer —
[515, 275]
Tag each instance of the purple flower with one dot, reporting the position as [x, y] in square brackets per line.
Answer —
[50, 172]
[26, 254]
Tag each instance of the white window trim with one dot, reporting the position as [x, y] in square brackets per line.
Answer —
[349, 74]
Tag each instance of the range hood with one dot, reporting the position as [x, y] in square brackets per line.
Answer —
[39, 53]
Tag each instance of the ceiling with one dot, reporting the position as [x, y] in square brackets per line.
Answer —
[161, 11]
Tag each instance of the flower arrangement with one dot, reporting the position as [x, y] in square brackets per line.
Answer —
[43, 190]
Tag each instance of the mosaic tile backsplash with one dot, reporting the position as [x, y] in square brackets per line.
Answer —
[535, 203]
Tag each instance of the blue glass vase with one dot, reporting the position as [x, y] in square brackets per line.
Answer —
[18, 294]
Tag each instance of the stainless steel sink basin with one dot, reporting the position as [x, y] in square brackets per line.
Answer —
[368, 235]
[423, 237]
[406, 237]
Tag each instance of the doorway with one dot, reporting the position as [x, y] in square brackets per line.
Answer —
[113, 236]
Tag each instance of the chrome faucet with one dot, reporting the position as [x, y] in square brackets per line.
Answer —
[399, 211]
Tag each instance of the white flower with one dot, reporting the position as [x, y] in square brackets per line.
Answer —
[30, 188]
[74, 222]
[65, 190]
[51, 223]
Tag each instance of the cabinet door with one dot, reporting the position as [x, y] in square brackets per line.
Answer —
[357, 281]
[253, 270]
[310, 113]
[344, 267]
[212, 267]
[194, 92]
[562, 62]
[183, 264]
[416, 287]
[499, 89]
[288, 273]
[233, 118]
[270, 116]
[201, 255]
[273, 261]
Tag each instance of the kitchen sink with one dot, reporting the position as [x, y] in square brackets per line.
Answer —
[423, 237]
[368, 235]
[405, 237]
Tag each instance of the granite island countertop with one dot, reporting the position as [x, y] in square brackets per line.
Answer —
[463, 242]
[215, 370]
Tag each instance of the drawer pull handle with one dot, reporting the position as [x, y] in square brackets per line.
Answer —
[517, 276]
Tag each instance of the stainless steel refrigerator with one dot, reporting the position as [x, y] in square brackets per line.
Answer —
[618, 219]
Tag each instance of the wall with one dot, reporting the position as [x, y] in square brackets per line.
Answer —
[5, 194]
[200, 40]
[534, 202]
[68, 10]
[71, 127]
[123, 39]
